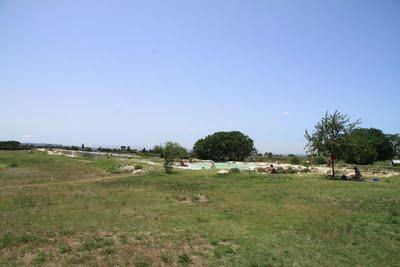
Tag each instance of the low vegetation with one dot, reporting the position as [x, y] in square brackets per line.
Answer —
[65, 211]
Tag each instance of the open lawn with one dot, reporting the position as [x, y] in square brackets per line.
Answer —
[56, 210]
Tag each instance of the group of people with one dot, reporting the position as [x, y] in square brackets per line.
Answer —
[357, 175]
[183, 163]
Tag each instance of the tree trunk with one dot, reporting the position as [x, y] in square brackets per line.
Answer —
[333, 167]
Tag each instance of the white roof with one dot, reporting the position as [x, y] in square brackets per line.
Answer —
[396, 161]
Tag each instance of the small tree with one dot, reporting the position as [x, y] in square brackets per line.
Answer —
[171, 152]
[329, 136]
[294, 160]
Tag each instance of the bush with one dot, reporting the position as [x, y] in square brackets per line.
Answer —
[40, 258]
[138, 167]
[319, 159]
[294, 160]
[185, 259]
[13, 165]
[234, 170]
[168, 165]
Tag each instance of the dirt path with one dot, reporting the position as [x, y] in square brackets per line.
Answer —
[89, 180]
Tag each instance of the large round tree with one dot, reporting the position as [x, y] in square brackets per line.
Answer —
[364, 146]
[222, 146]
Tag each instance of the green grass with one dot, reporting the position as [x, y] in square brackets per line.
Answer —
[23, 167]
[191, 218]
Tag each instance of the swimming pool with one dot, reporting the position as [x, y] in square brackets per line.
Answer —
[222, 165]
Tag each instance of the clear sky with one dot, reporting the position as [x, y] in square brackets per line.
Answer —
[141, 73]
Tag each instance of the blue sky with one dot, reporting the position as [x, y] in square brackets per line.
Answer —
[141, 73]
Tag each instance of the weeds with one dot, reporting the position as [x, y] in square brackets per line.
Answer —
[185, 259]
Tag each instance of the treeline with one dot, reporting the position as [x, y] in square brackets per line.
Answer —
[367, 145]
[13, 145]
[156, 151]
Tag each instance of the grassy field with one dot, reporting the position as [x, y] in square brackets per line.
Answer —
[56, 210]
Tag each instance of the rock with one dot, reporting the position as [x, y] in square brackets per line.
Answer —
[202, 199]
[223, 172]
[262, 170]
[305, 170]
[280, 170]
[127, 168]
[291, 170]
[131, 169]
[139, 171]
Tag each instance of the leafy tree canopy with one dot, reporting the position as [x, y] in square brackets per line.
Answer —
[329, 135]
[222, 146]
[365, 146]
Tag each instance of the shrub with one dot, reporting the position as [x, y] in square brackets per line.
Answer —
[96, 242]
[166, 258]
[185, 259]
[138, 167]
[168, 165]
[222, 251]
[13, 165]
[112, 168]
[234, 170]
[294, 160]
[319, 159]
[64, 248]
[40, 258]
[6, 240]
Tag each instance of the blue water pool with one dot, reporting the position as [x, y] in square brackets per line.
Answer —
[221, 165]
